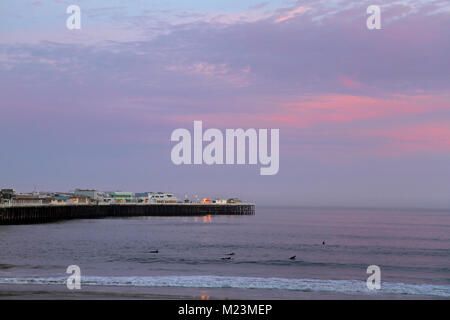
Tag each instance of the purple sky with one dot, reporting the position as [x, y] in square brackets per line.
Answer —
[364, 115]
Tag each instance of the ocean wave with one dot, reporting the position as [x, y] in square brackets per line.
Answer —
[305, 285]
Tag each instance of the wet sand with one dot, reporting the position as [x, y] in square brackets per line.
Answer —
[58, 292]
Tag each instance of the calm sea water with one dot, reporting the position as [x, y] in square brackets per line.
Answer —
[412, 248]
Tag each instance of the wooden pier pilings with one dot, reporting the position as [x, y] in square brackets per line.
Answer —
[50, 213]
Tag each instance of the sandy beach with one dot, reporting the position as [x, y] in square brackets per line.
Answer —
[58, 292]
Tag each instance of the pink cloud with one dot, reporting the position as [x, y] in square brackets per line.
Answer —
[349, 82]
[335, 109]
[417, 138]
[336, 122]
[315, 111]
[291, 14]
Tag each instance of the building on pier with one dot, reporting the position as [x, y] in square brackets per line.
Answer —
[121, 197]
[155, 197]
[90, 193]
[163, 197]
[30, 199]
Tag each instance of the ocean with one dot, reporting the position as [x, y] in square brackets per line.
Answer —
[116, 255]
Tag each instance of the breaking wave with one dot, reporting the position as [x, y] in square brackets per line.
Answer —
[305, 285]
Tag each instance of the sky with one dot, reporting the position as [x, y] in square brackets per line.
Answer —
[364, 115]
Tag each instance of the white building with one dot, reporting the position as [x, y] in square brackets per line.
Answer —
[90, 193]
[162, 197]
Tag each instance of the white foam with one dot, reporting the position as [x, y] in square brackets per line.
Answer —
[312, 285]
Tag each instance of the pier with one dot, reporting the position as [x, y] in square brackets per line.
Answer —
[33, 214]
